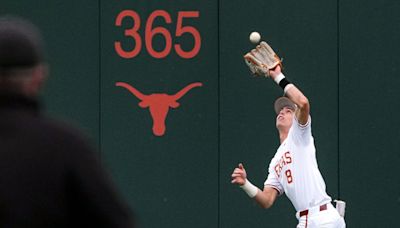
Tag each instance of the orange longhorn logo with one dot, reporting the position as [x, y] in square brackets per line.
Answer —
[158, 104]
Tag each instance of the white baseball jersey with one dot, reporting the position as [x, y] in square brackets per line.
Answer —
[294, 169]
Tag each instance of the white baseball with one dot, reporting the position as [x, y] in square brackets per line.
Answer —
[255, 37]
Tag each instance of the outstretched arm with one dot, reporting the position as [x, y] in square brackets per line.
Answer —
[294, 94]
[265, 198]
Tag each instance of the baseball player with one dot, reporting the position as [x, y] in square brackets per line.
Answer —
[293, 170]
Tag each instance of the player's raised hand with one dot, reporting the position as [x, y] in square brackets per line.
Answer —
[239, 175]
[275, 72]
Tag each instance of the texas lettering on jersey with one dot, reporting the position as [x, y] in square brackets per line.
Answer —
[284, 160]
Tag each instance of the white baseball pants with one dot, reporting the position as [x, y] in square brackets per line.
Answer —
[315, 218]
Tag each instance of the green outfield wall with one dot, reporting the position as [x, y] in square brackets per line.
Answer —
[162, 89]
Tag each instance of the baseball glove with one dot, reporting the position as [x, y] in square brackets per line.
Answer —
[262, 59]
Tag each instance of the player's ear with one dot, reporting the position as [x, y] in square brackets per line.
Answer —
[38, 78]
[297, 112]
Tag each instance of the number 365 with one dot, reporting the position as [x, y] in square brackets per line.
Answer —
[150, 32]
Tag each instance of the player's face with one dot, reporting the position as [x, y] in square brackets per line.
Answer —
[284, 118]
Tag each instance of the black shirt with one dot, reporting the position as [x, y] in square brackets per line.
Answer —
[49, 175]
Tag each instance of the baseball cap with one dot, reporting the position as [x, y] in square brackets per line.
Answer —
[282, 102]
[21, 44]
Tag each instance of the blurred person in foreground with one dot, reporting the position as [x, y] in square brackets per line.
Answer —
[50, 176]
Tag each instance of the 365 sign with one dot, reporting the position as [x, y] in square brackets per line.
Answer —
[138, 40]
